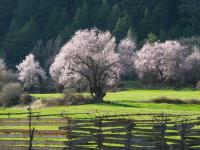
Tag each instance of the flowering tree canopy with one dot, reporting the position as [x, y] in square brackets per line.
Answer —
[30, 72]
[90, 55]
[126, 52]
[164, 60]
[191, 66]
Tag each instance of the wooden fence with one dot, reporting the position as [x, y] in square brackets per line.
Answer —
[124, 132]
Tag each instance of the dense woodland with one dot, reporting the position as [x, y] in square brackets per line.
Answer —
[42, 26]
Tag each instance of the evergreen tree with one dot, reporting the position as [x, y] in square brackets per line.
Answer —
[44, 10]
[190, 17]
[56, 22]
[19, 44]
[66, 33]
[6, 14]
[151, 38]
[25, 11]
[102, 15]
[163, 35]
[112, 18]
[131, 34]
[146, 24]
[82, 17]
[121, 28]
[64, 18]
[52, 22]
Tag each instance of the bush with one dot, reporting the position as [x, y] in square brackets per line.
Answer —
[10, 94]
[175, 101]
[193, 101]
[25, 99]
[72, 98]
[168, 101]
[198, 85]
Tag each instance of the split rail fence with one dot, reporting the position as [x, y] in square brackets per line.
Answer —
[114, 132]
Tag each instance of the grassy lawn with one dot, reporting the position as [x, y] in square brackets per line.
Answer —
[130, 101]
[138, 95]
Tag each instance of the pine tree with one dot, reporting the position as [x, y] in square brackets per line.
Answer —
[6, 14]
[82, 17]
[151, 38]
[121, 28]
[66, 33]
[64, 18]
[44, 10]
[112, 18]
[190, 17]
[102, 15]
[25, 11]
[131, 34]
[55, 23]
[146, 23]
[163, 35]
[19, 44]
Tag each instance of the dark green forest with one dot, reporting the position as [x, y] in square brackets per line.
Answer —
[43, 26]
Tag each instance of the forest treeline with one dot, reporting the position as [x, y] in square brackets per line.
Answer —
[43, 26]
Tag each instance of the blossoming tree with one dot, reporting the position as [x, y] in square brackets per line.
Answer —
[90, 56]
[126, 50]
[163, 60]
[191, 67]
[30, 72]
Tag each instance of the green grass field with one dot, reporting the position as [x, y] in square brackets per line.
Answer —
[130, 101]
[138, 95]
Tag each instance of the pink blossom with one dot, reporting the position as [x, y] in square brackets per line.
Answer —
[127, 55]
[30, 71]
[90, 55]
[164, 60]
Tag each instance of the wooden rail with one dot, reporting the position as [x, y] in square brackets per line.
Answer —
[60, 132]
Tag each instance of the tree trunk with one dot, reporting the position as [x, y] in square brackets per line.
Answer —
[97, 94]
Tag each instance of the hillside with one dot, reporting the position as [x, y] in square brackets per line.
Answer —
[42, 26]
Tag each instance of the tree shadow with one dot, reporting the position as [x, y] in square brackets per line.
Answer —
[121, 104]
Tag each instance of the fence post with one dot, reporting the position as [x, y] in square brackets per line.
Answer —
[161, 127]
[31, 131]
[99, 134]
[182, 135]
[68, 134]
[129, 134]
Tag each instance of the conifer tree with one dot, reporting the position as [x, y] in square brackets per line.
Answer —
[131, 34]
[82, 17]
[121, 28]
[19, 44]
[102, 14]
[112, 18]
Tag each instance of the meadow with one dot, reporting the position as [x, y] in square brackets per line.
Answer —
[116, 103]
[122, 102]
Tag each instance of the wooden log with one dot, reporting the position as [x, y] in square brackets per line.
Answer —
[33, 119]
[35, 142]
[35, 136]
[38, 123]
[26, 131]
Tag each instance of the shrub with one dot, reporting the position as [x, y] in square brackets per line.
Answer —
[175, 101]
[168, 101]
[193, 101]
[25, 99]
[198, 85]
[72, 98]
[10, 94]
[75, 100]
